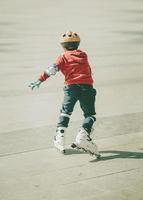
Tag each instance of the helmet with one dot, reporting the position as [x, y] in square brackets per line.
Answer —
[70, 40]
[69, 36]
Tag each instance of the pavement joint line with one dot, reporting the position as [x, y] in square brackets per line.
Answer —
[34, 150]
[21, 152]
[28, 151]
[51, 147]
[101, 176]
[67, 168]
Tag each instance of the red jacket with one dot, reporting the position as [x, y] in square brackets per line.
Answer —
[74, 66]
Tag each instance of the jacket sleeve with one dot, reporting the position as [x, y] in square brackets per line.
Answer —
[60, 62]
[50, 71]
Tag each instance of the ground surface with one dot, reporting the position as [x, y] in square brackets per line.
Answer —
[111, 33]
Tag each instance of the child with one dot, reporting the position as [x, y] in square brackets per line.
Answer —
[73, 63]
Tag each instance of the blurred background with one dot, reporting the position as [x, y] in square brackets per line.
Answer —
[112, 35]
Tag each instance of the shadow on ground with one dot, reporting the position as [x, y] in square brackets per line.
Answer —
[110, 154]
[74, 151]
[114, 154]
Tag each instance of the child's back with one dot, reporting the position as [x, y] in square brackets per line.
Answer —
[75, 67]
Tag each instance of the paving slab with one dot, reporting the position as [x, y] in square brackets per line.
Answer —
[47, 174]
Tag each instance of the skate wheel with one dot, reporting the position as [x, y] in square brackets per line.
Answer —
[60, 151]
[98, 156]
[73, 145]
[63, 151]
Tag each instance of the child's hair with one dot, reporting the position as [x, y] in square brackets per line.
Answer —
[70, 40]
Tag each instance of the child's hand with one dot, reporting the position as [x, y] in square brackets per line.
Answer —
[35, 84]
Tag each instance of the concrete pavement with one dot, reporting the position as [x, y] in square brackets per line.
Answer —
[111, 34]
[46, 174]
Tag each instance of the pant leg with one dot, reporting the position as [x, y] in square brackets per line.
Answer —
[70, 99]
[87, 104]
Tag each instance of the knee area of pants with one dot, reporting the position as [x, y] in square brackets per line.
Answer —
[67, 115]
[64, 120]
[93, 118]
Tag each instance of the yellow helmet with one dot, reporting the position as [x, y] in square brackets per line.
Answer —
[70, 40]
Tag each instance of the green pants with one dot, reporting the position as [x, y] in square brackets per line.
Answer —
[83, 93]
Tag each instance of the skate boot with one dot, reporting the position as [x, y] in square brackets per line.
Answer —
[84, 142]
[59, 139]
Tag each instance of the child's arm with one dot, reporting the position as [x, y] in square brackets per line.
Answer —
[50, 71]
